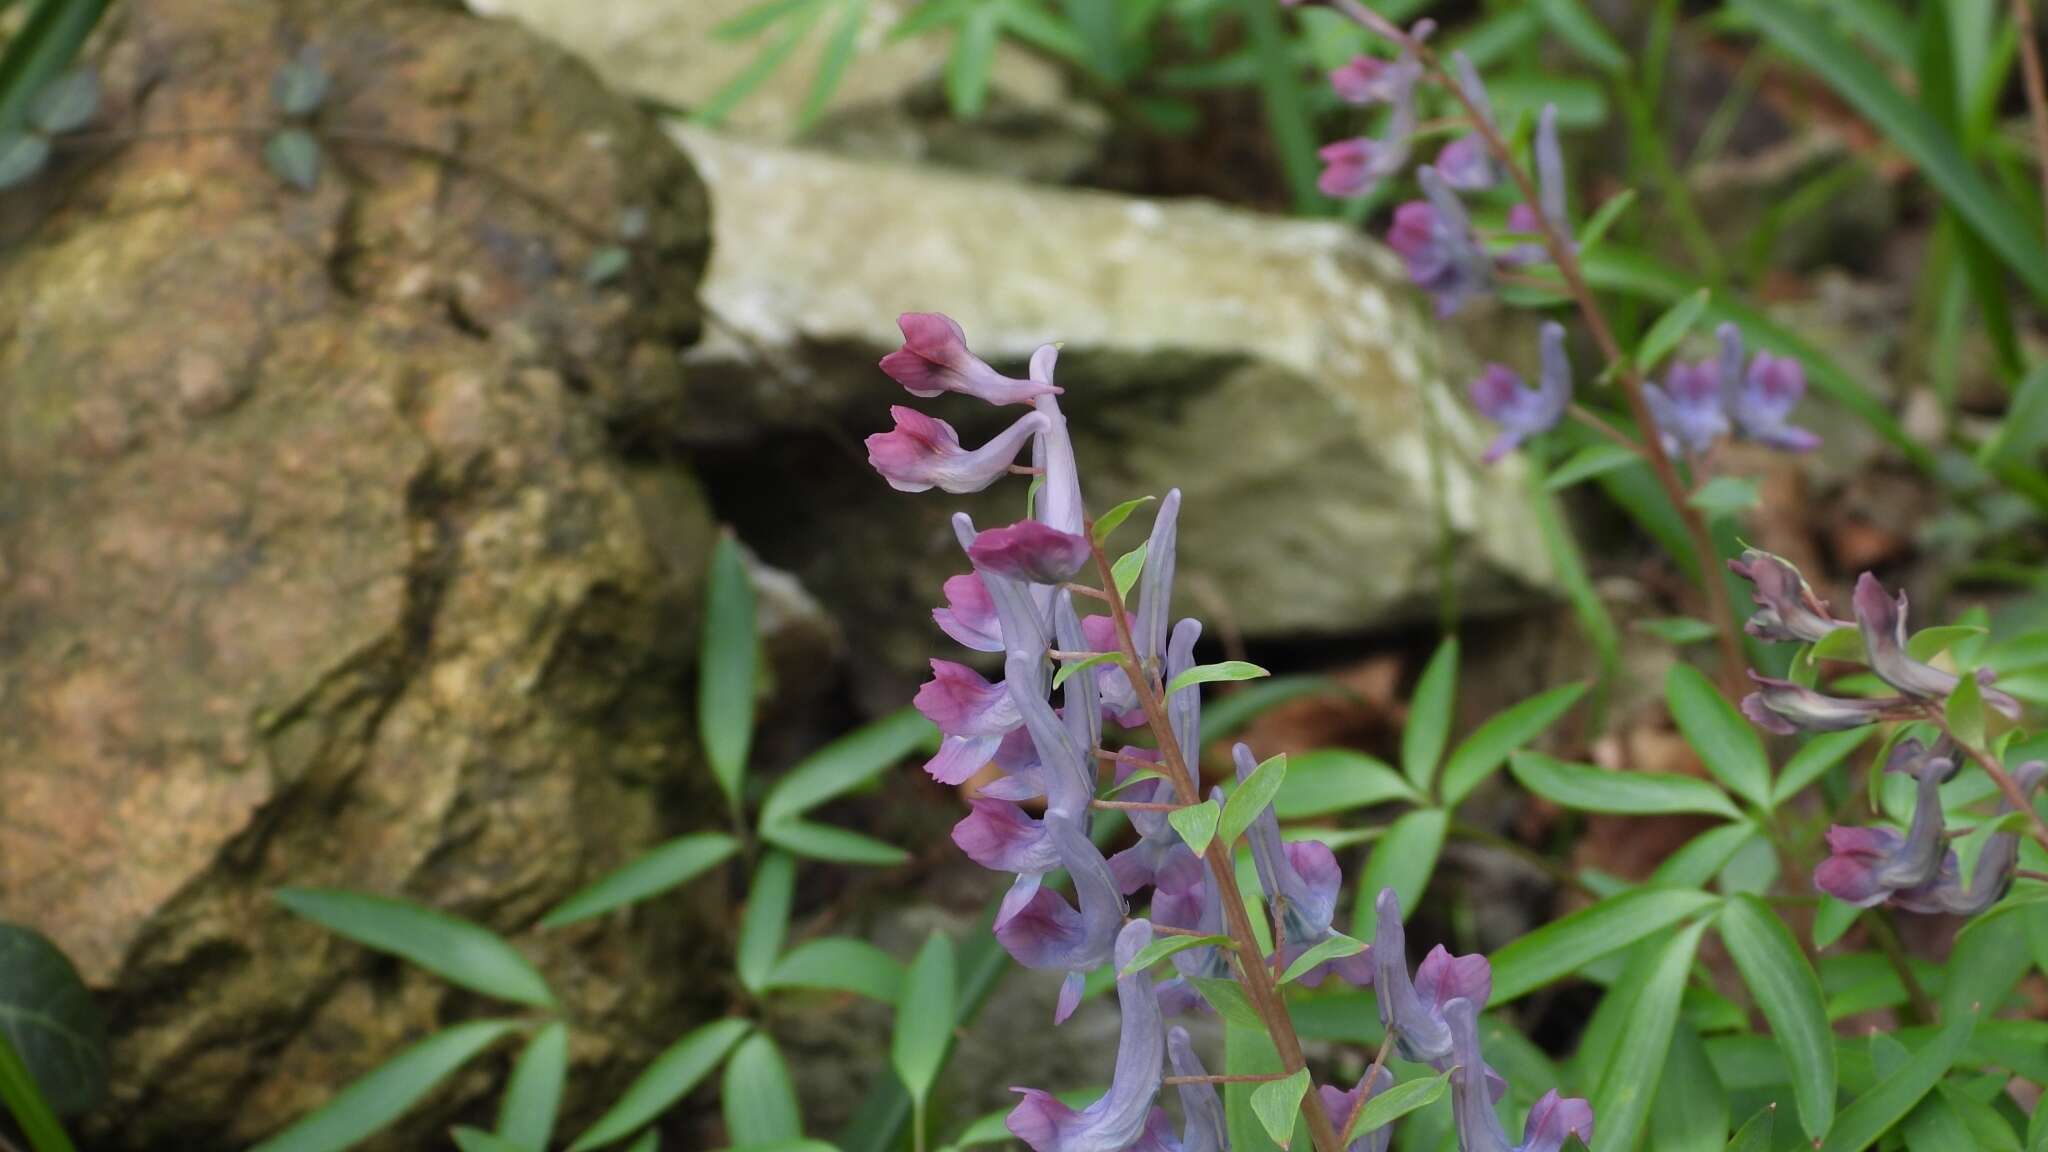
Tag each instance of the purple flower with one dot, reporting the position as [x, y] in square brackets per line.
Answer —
[1550, 181]
[1867, 865]
[1522, 411]
[1782, 707]
[1688, 408]
[1202, 1128]
[1368, 80]
[1042, 931]
[961, 703]
[934, 359]
[1434, 237]
[1787, 608]
[1465, 163]
[1883, 620]
[1414, 1012]
[1117, 1119]
[1301, 882]
[1183, 897]
[1993, 875]
[1355, 166]
[1149, 623]
[1771, 389]
[922, 453]
[1030, 551]
[969, 616]
[1002, 837]
[1340, 1106]
[1551, 1120]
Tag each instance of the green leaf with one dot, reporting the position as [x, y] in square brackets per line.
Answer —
[839, 52]
[924, 1017]
[1165, 946]
[1396, 1102]
[758, 18]
[1789, 995]
[1429, 716]
[1251, 796]
[1227, 997]
[677, 1070]
[2017, 439]
[294, 157]
[1912, 128]
[2022, 898]
[1277, 1102]
[1227, 670]
[1588, 462]
[1337, 780]
[839, 845]
[1669, 329]
[1114, 518]
[663, 867]
[765, 921]
[1564, 946]
[760, 68]
[847, 764]
[1756, 1135]
[533, 1096]
[1335, 946]
[1928, 643]
[301, 85]
[1196, 824]
[1069, 667]
[973, 58]
[65, 103]
[1583, 33]
[1813, 759]
[726, 668]
[1830, 920]
[1725, 495]
[1725, 741]
[1479, 754]
[760, 1102]
[1702, 857]
[1629, 1084]
[650, 1141]
[26, 1104]
[1965, 712]
[455, 950]
[391, 1089]
[1680, 630]
[1691, 1112]
[1124, 573]
[1588, 789]
[1877, 1111]
[1141, 776]
[606, 264]
[43, 46]
[477, 1140]
[1605, 217]
[48, 1018]
[1404, 860]
[1247, 1052]
[840, 964]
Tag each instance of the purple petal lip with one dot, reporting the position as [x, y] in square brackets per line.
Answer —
[1031, 551]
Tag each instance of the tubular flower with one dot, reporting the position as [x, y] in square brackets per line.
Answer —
[1995, 863]
[934, 359]
[1353, 167]
[1340, 1105]
[1184, 898]
[1139, 864]
[1434, 237]
[923, 453]
[961, 703]
[1782, 707]
[1883, 620]
[1301, 882]
[1369, 80]
[1116, 1120]
[1550, 180]
[1868, 865]
[1761, 397]
[1687, 409]
[1521, 411]
[1150, 620]
[1550, 1122]
[969, 616]
[1787, 608]
[1465, 163]
[1042, 931]
[1002, 837]
[1030, 551]
[1202, 1128]
[1414, 1012]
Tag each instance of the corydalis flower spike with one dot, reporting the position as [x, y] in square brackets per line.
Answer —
[1200, 1106]
[934, 359]
[1787, 608]
[1995, 863]
[922, 453]
[1340, 1105]
[1520, 411]
[1301, 881]
[1117, 1119]
[1030, 551]
[1782, 707]
[1883, 621]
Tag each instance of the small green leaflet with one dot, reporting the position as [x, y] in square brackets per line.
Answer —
[1928, 643]
[533, 1096]
[1589, 462]
[840, 964]
[671, 864]
[764, 921]
[1251, 797]
[1605, 217]
[677, 1070]
[1230, 1002]
[1677, 629]
[1335, 946]
[1114, 518]
[1141, 776]
[1069, 667]
[1166, 946]
[838, 845]
[1670, 328]
[1126, 569]
[1840, 644]
[727, 665]
[1965, 712]
[1213, 673]
[1397, 1102]
[1725, 495]
[1756, 1135]
[1275, 1104]
[924, 1017]
[1196, 824]
[1429, 716]
[388, 1091]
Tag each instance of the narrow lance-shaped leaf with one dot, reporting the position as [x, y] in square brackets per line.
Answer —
[1637, 1064]
[1725, 741]
[846, 764]
[1788, 993]
[759, 1099]
[1214, 673]
[924, 1017]
[1588, 789]
[23, 1101]
[673, 1073]
[1429, 716]
[453, 949]
[765, 921]
[664, 867]
[1564, 946]
[365, 1107]
[1398, 1101]
[827, 842]
[726, 669]
[526, 1112]
[1404, 860]
[1476, 758]
[1871, 1115]
[48, 1016]
[840, 964]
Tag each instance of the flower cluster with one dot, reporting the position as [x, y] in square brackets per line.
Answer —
[1867, 866]
[1020, 600]
[1702, 401]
